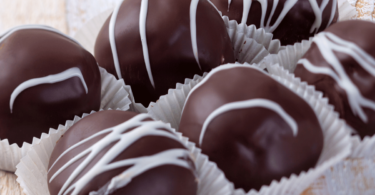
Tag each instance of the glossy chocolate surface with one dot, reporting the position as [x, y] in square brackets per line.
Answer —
[35, 53]
[360, 33]
[252, 145]
[296, 25]
[166, 179]
[169, 43]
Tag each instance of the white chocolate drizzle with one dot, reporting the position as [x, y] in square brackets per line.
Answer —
[142, 31]
[122, 139]
[241, 104]
[193, 28]
[33, 27]
[67, 74]
[288, 5]
[246, 10]
[329, 43]
[264, 103]
[229, 2]
[112, 41]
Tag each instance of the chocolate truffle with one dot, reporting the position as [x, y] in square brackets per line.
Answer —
[341, 64]
[290, 21]
[46, 78]
[117, 152]
[253, 127]
[153, 45]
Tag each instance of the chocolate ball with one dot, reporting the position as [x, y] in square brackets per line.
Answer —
[180, 39]
[117, 152]
[290, 21]
[46, 78]
[253, 127]
[341, 64]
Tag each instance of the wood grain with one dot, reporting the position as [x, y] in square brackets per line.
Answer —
[9, 185]
[18, 12]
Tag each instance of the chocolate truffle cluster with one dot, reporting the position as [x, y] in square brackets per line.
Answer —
[46, 78]
[117, 152]
[341, 64]
[253, 127]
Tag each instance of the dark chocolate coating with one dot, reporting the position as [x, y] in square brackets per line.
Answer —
[361, 33]
[32, 53]
[253, 146]
[166, 179]
[294, 28]
[169, 45]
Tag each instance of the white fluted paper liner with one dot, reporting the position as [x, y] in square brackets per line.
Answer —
[86, 36]
[169, 107]
[346, 10]
[363, 148]
[259, 35]
[32, 169]
[288, 57]
[113, 95]
[337, 145]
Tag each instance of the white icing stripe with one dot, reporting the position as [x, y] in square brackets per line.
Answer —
[33, 27]
[122, 140]
[212, 72]
[142, 30]
[264, 5]
[193, 29]
[275, 3]
[229, 2]
[246, 10]
[67, 74]
[333, 10]
[112, 40]
[329, 43]
[249, 104]
[318, 16]
[288, 5]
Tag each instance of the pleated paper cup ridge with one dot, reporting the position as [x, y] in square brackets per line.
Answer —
[169, 107]
[32, 170]
[113, 95]
[288, 57]
[337, 144]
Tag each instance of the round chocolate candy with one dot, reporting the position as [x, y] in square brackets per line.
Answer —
[253, 127]
[117, 152]
[290, 21]
[155, 44]
[46, 78]
[341, 64]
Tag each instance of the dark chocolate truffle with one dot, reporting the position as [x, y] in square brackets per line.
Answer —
[179, 39]
[117, 152]
[290, 21]
[253, 127]
[46, 78]
[341, 64]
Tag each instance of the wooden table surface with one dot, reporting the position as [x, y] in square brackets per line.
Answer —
[58, 14]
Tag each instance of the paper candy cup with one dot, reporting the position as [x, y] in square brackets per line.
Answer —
[288, 57]
[32, 170]
[113, 95]
[337, 144]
